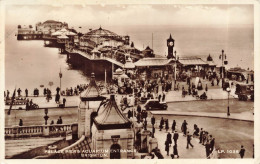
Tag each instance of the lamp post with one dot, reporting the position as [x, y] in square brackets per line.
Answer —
[46, 117]
[222, 56]
[60, 75]
[175, 69]
[228, 91]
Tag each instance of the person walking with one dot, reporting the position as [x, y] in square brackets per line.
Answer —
[207, 147]
[26, 92]
[58, 90]
[21, 122]
[166, 125]
[212, 82]
[19, 92]
[242, 151]
[153, 130]
[161, 124]
[27, 105]
[163, 97]
[64, 102]
[44, 91]
[201, 134]
[167, 147]
[31, 103]
[59, 121]
[129, 114]
[145, 124]
[175, 151]
[217, 80]
[189, 141]
[212, 143]
[169, 138]
[184, 127]
[153, 121]
[7, 94]
[57, 98]
[173, 126]
[175, 137]
[138, 108]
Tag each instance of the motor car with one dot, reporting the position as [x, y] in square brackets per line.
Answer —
[154, 104]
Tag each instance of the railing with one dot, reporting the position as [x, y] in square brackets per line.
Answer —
[23, 130]
[37, 130]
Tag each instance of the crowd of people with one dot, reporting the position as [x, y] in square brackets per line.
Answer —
[204, 137]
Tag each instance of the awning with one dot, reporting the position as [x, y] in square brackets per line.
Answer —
[152, 62]
[192, 61]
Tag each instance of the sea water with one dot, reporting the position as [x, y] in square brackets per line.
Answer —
[28, 64]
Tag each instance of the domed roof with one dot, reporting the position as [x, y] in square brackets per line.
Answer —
[101, 33]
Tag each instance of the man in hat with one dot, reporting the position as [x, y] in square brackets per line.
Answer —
[175, 137]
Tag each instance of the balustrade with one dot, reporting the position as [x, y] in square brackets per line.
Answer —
[22, 131]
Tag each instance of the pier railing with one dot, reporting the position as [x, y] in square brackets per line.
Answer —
[37, 130]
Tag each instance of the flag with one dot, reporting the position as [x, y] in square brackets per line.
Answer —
[12, 101]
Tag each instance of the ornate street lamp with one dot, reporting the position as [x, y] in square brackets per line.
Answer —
[46, 117]
[228, 91]
[222, 57]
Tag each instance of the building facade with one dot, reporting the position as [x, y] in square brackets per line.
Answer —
[50, 26]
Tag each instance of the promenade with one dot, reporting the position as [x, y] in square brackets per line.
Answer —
[209, 114]
[171, 96]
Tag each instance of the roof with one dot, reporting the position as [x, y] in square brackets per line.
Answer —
[63, 37]
[51, 21]
[211, 63]
[240, 70]
[101, 33]
[152, 62]
[148, 49]
[63, 32]
[92, 93]
[192, 61]
[111, 117]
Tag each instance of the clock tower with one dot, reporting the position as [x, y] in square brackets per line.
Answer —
[170, 45]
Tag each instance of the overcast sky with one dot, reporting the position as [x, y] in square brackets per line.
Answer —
[109, 15]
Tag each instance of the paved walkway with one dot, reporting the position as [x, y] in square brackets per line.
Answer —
[71, 101]
[213, 94]
[244, 116]
[198, 151]
[171, 96]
